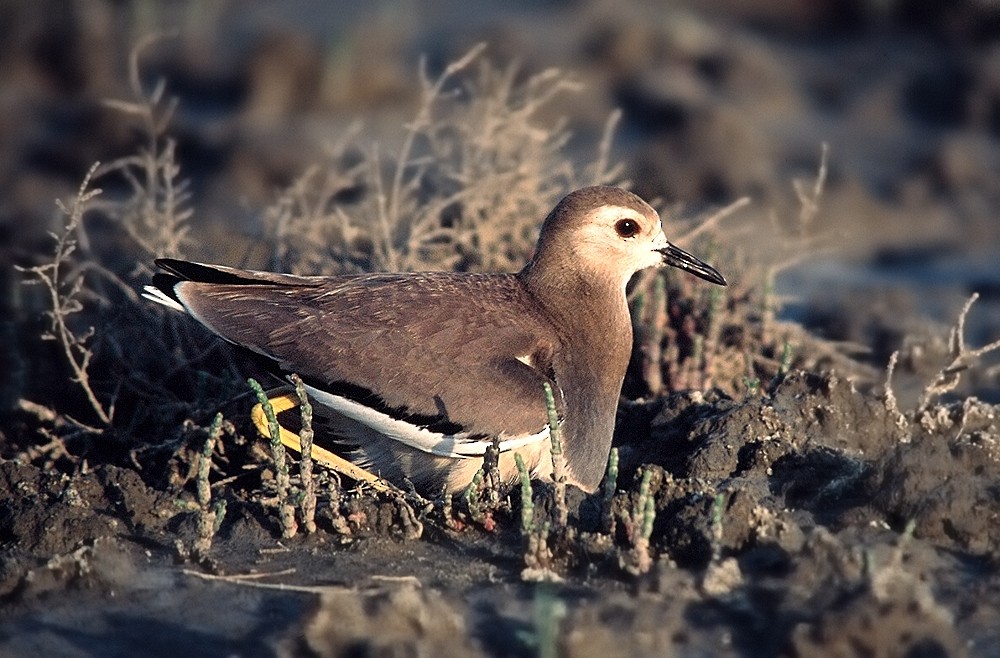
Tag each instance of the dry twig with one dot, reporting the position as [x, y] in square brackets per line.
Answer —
[962, 358]
[64, 301]
[155, 216]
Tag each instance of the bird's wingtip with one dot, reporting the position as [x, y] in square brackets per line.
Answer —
[154, 294]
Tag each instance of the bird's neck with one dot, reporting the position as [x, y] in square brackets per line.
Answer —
[591, 316]
[584, 306]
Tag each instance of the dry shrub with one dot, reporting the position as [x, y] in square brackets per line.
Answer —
[120, 351]
[477, 171]
[156, 212]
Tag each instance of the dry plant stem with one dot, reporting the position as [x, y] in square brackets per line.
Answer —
[154, 217]
[423, 118]
[947, 378]
[305, 463]
[286, 510]
[53, 449]
[602, 169]
[280, 215]
[809, 198]
[64, 301]
[476, 170]
[558, 459]
[389, 203]
[809, 204]
[712, 221]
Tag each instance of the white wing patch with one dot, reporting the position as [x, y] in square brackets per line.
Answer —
[434, 443]
[154, 294]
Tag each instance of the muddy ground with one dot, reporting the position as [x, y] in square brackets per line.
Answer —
[842, 531]
[807, 510]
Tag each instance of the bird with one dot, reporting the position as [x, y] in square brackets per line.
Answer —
[414, 376]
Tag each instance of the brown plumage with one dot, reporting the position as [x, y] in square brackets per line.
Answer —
[416, 373]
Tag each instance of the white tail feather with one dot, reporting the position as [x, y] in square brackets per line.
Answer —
[154, 294]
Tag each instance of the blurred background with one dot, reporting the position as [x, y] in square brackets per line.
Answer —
[718, 100]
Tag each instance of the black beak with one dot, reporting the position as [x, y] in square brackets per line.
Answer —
[677, 257]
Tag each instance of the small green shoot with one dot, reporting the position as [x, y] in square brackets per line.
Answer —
[718, 512]
[527, 504]
[558, 458]
[641, 518]
[472, 500]
[286, 510]
[308, 504]
[209, 516]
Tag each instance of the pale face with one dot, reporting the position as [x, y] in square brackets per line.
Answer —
[618, 241]
[609, 235]
[621, 239]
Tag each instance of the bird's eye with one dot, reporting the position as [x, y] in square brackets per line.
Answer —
[627, 228]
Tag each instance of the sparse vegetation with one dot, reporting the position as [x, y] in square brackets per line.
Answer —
[308, 506]
[638, 523]
[473, 178]
[210, 516]
[156, 213]
[731, 398]
[64, 287]
[929, 413]
[284, 495]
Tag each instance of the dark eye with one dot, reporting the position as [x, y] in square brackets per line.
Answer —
[627, 228]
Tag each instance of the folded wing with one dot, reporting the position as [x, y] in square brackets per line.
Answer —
[426, 350]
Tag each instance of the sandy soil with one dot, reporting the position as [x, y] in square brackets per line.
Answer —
[813, 515]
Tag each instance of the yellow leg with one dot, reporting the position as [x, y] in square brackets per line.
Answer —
[320, 455]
